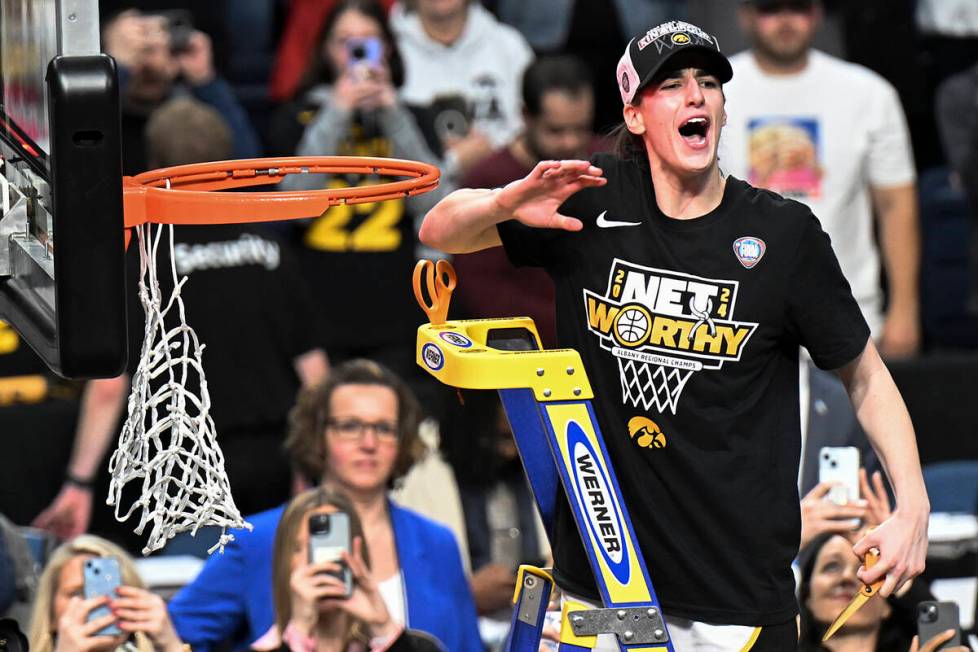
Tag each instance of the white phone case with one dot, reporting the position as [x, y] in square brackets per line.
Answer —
[840, 465]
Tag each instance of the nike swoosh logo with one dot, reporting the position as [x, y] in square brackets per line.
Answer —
[610, 224]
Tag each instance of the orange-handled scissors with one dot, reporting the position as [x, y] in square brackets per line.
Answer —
[860, 599]
[440, 279]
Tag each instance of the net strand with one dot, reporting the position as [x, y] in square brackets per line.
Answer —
[648, 384]
[168, 443]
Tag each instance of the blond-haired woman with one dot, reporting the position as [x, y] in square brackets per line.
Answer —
[60, 619]
[311, 610]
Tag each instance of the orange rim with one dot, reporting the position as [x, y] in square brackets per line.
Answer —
[184, 194]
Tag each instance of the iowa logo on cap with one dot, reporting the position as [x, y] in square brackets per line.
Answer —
[680, 38]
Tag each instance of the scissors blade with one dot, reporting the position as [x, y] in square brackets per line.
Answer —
[861, 598]
[854, 606]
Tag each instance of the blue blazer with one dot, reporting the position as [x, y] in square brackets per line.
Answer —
[231, 598]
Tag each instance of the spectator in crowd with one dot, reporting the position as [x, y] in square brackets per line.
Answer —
[60, 622]
[956, 108]
[155, 66]
[829, 581]
[351, 77]
[355, 433]
[366, 251]
[37, 415]
[463, 67]
[300, 34]
[247, 302]
[558, 106]
[595, 32]
[502, 525]
[832, 135]
[820, 515]
[312, 610]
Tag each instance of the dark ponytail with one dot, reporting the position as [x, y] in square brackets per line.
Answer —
[628, 146]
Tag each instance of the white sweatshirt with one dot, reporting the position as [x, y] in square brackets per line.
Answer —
[484, 66]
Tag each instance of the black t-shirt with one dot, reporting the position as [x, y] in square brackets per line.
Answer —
[359, 259]
[689, 331]
[250, 308]
[16, 356]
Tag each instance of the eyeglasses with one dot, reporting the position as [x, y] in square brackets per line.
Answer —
[354, 429]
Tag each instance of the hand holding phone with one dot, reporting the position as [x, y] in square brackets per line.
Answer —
[102, 577]
[368, 51]
[329, 538]
[934, 618]
[840, 466]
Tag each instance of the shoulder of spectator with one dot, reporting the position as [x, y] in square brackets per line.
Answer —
[430, 531]
[484, 173]
[215, 85]
[508, 38]
[263, 526]
[957, 93]
[124, 74]
[856, 76]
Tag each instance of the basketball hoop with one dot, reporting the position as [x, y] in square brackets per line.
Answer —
[169, 442]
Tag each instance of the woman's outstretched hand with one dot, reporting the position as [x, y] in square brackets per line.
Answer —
[534, 199]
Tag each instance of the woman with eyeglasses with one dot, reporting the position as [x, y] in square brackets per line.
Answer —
[355, 434]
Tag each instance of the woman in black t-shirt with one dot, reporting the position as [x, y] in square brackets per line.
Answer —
[687, 294]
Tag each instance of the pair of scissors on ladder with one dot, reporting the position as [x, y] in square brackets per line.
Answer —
[440, 280]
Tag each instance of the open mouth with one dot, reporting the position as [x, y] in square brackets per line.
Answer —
[694, 131]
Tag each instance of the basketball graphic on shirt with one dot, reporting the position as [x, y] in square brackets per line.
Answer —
[632, 325]
[646, 433]
[663, 326]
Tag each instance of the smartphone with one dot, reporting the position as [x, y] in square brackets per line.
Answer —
[180, 26]
[368, 50]
[840, 464]
[329, 536]
[102, 577]
[934, 618]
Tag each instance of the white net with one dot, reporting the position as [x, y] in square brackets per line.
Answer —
[646, 384]
[168, 442]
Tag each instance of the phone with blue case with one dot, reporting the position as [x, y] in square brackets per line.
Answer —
[102, 577]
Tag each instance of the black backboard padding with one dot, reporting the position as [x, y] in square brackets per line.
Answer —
[88, 216]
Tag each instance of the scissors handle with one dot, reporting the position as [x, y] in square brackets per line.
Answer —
[872, 556]
[440, 280]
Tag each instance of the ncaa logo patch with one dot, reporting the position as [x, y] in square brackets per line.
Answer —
[624, 82]
[749, 250]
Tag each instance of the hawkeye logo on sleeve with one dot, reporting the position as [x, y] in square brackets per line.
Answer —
[662, 326]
